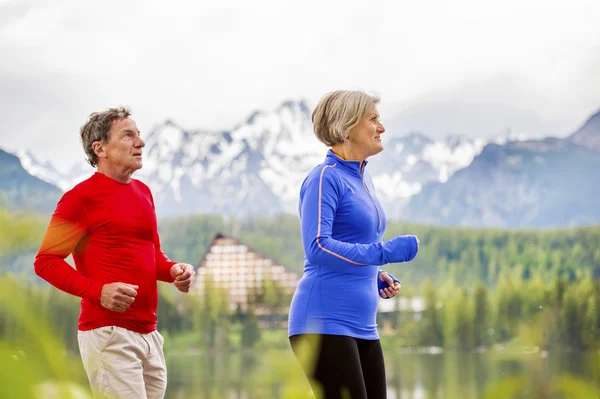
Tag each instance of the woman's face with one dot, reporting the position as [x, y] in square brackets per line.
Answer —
[366, 136]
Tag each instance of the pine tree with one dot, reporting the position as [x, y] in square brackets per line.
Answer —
[480, 315]
[250, 329]
[430, 326]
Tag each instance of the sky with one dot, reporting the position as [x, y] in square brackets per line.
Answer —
[467, 67]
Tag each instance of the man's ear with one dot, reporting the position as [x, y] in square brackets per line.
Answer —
[98, 148]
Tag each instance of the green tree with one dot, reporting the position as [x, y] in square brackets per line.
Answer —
[571, 320]
[250, 329]
[430, 325]
[458, 321]
[480, 316]
[590, 324]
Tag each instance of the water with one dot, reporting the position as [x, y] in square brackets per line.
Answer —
[275, 374]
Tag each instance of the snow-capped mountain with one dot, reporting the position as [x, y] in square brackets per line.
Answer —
[21, 191]
[541, 183]
[47, 172]
[410, 161]
[258, 166]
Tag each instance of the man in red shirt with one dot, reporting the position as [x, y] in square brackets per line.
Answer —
[108, 222]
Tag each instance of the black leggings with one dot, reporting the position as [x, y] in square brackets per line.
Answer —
[341, 367]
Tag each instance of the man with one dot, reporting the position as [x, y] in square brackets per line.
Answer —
[108, 222]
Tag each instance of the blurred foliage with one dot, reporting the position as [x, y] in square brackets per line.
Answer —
[543, 356]
[20, 234]
[465, 256]
[34, 361]
[510, 314]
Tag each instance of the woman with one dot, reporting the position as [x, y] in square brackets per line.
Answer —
[332, 322]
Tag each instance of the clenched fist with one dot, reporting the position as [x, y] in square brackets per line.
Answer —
[393, 286]
[183, 275]
[118, 296]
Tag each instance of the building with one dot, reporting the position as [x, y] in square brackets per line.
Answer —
[230, 265]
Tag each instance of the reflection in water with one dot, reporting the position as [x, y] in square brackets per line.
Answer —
[266, 374]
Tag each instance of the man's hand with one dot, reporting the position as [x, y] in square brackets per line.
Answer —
[393, 288]
[118, 296]
[183, 275]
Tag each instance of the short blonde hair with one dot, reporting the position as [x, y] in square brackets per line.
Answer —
[338, 112]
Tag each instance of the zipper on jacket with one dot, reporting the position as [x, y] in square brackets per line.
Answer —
[362, 166]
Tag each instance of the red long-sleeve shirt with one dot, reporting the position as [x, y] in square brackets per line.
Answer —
[111, 230]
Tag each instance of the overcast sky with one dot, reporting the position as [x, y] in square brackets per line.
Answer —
[462, 66]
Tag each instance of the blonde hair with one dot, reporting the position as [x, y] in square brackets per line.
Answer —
[338, 112]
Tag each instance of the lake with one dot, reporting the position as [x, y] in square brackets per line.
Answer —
[275, 374]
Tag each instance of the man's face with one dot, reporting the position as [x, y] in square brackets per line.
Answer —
[124, 148]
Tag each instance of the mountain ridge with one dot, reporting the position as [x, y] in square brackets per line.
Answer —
[542, 183]
[21, 191]
[265, 159]
[258, 166]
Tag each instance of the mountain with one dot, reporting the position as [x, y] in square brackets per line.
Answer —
[588, 135]
[410, 161]
[48, 173]
[255, 168]
[258, 166]
[533, 183]
[20, 190]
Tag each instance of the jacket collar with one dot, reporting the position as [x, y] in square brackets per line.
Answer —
[355, 168]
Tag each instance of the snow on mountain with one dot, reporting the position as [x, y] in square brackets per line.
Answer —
[542, 183]
[47, 172]
[410, 161]
[265, 158]
[44, 171]
[258, 166]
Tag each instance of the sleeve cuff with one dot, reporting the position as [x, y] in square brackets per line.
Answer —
[166, 275]
[94, 292]
[415, 247]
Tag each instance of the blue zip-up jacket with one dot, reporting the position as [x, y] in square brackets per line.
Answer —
[342, 226]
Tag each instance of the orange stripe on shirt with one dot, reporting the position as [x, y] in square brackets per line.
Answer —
[319, 222]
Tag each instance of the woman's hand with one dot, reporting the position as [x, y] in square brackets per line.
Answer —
[393, 288]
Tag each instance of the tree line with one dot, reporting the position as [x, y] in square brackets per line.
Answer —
[528, 313]
[466, 256]
[523, 312]
[480, 287]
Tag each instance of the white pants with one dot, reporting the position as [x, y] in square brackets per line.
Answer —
[124, 364]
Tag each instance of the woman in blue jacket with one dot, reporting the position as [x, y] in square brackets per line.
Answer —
[332, 322]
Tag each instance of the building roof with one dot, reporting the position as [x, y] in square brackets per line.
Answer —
[230, 265]
[219, 236]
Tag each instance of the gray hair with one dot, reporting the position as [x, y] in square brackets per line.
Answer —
[338, 112]
[97, 128]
